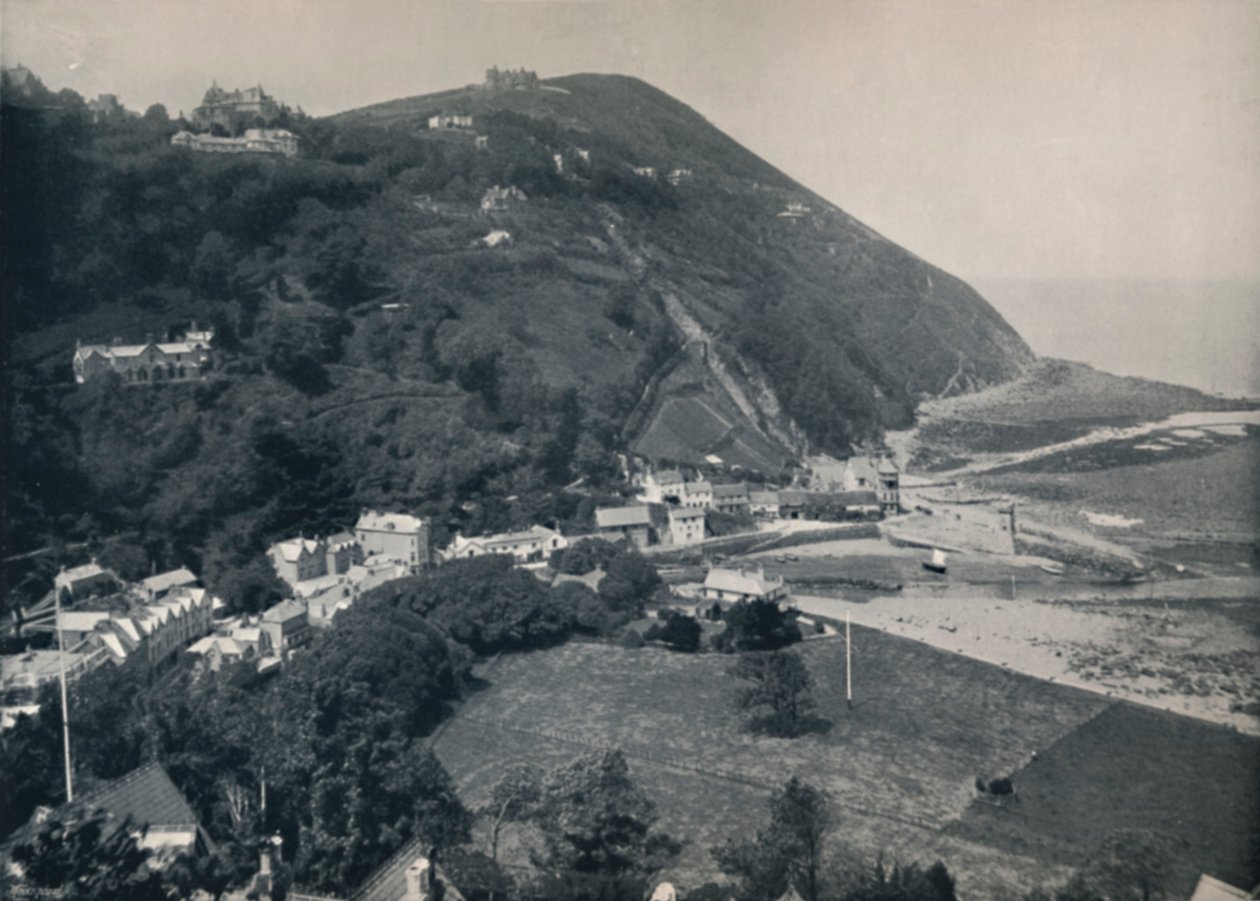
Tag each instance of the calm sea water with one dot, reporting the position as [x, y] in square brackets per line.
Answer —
[1202, 334]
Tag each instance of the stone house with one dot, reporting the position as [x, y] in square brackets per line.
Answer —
[89, 579]
[158, 586]
[875, 472]
[665, 486]
[698, 494]
[499, 200]
[286, 626]
[231, 109]
[616, 523]
[764, 504]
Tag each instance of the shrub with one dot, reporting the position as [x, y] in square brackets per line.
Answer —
[630, 638]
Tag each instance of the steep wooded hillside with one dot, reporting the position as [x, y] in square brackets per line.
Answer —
[375, 349]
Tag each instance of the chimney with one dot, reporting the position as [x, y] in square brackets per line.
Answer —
[419, 880]
[148, 337]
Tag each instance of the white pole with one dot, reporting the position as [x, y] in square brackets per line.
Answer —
[65, 705]
[848, 662]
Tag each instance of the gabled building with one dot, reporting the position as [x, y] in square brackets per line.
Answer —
[410, 875]
[152, 361]
[231, 109]
[878, 473]
[633, 523]
[532, 545]
[698, 494]
[299, 559]
[278, 141]
[84, 581]
[666, 486]
[743, 584]
[401, 536]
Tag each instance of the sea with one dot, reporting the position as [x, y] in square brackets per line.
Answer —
[1202, 334]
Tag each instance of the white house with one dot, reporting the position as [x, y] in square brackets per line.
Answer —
[743, 584]
[534, 544]
[686, 525]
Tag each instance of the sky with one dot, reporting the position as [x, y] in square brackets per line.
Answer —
[1014, 140]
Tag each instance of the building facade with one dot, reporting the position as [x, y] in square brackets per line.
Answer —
[398, 535]
[254, 140]
[230, 110]
[147, 363]
[632, 523]
[530, 546]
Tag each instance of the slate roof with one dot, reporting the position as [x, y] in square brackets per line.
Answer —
[80, 620]
[763, 497]
[737, 490]
[856, 498]
[621, 517]
[147, 795]
[685, 513]
[291, 550]
[389, 882]
[283, 612]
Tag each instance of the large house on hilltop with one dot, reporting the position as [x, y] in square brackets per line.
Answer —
[168, 361]
[231, 109]
[510, 79]
[743, 584]
[299, 560]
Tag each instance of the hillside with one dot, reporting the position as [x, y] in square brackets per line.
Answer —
[375, 350]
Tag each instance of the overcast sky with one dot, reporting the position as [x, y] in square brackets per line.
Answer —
[1038, 138]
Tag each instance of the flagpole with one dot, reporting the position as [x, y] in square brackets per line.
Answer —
[65, 705]
[848, 663]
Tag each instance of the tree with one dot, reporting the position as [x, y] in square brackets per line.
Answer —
[630, 581]
[788, 852]
[903, 883]
[583, 557]
[1128, 865]
[781, 685]
[596, 821]
[678, 630]
[157, 115]
[513, 799]
[759, 625]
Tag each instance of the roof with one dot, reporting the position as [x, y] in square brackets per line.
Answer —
[283, 612]
[738, 489]
[888, 467]
[699, 487]
[667, 477]
[1210, 889]
[389, 882]
[862, 468]
[750, 582]
[621, 517]
[147, 795]
[533, 533]
[685, 513]
[855, 498]
[763, 497]
[80, 620]
[341, 538]
[793, 496]
[167, 580]
[289, 551]
[372, 521]
[85, 571]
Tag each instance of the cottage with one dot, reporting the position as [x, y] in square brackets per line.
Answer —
[732, 499]
[532, 545]
[764, 504]
[616, 523]
[410, 875]
[678, 176]
[401, 536]
[793, 503]
[686, 525]
[743, 584]
[497, 237]
[645, 171]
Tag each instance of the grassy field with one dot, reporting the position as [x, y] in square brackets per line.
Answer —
[1136, 768]
[900, 765]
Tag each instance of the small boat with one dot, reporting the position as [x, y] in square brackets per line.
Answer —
[1055, 569]
[938, 562]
